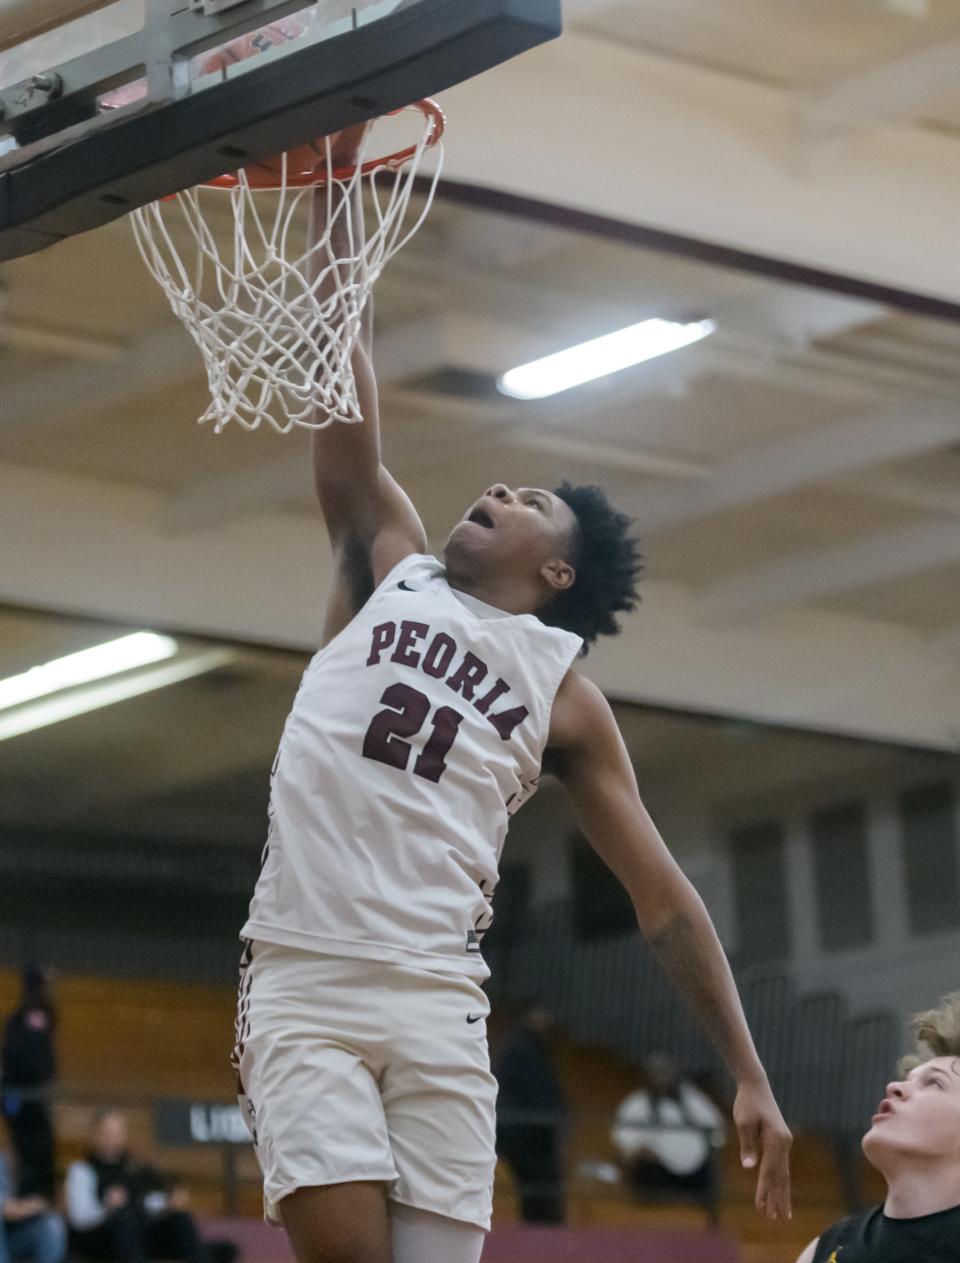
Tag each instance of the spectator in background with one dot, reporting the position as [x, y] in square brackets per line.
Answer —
[532, 1116]
[914, 1142]
[664, 1134]
[28, 1068]
[122, 1211]
[30, 1230]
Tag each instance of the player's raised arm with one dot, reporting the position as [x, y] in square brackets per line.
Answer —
[370, 519]
[587, 752]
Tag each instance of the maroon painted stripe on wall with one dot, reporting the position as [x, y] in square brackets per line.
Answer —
[694, 248]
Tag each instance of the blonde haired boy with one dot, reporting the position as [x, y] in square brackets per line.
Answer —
[914, 1142]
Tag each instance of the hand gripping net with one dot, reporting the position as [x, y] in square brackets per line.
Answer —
[276, 317]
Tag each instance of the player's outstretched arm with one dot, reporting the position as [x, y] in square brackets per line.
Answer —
[586, 751]
[370, 520]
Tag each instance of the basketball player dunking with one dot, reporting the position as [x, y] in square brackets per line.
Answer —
[442, 689]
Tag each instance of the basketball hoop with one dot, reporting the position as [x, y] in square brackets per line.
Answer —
[277, 318]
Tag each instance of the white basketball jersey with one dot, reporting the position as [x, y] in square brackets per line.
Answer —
[414, 736]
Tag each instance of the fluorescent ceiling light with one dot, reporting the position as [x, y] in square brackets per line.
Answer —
[80, 701]
[139, 649]
[601, 356]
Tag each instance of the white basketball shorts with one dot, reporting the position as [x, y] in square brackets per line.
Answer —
[354, 1069]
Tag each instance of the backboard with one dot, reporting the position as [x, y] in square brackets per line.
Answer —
[106, 107]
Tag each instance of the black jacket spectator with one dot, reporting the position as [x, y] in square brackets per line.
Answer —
[28, 1068]
[532, 1117]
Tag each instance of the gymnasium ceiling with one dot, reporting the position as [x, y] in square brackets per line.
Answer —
[778, 42]
[796, 477]
[190, 762]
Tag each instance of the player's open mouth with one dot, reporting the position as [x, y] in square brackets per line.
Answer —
[886, 1110]
[479, 518]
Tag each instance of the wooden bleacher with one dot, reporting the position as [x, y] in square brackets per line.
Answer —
[126, 1043]
[596, 1081]
[140, 1039]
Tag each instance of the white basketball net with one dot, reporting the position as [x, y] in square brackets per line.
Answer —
[275, 317]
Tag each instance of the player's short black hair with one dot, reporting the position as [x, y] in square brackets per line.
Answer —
[608, 562]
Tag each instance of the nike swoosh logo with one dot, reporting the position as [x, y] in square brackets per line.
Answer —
[406, 586]
[471, 1020]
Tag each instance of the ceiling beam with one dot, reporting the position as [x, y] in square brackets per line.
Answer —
[47, 340]
[947, 641]
[411, 348]
[913, 492]
[605, 455]
[799, 316]
[790, 353]
[909, 8]
[902, 90]
[535, 427]
[735, 177]
[781, 467]
[808, 577]
[159, 359]
[278, 571]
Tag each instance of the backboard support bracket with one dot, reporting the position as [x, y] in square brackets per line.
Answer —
[76, 167]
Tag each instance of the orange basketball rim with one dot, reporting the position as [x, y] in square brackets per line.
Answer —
[259, 176]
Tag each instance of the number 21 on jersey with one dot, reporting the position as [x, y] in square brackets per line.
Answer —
[408, 710]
